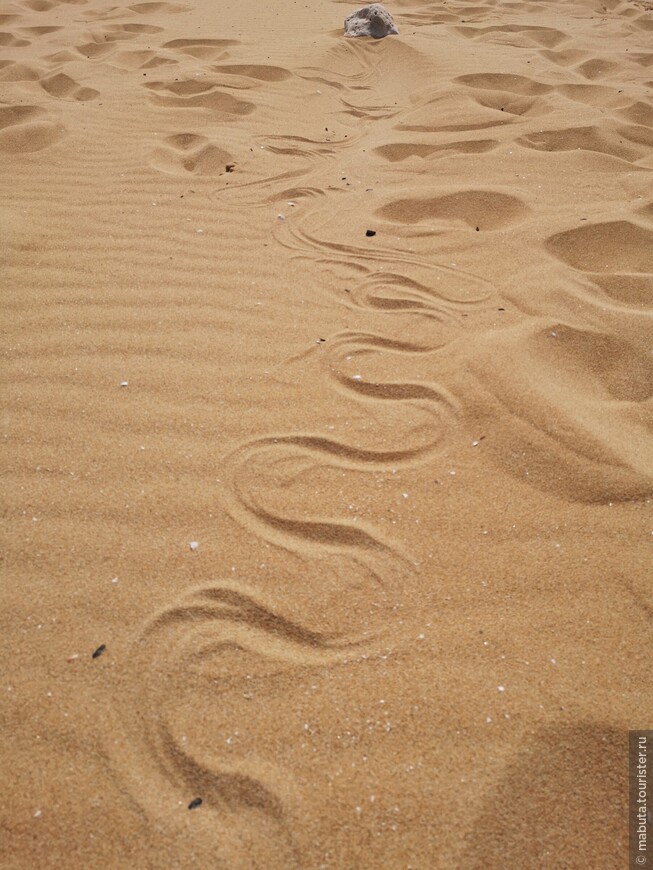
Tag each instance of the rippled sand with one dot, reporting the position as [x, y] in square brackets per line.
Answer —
[368, 323]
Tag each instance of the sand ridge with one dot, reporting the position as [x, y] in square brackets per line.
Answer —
[368, 322]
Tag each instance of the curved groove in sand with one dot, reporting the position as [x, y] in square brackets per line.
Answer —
[444, 299]
[307, 244]
[358, 539]
[239, 614]
[224, 637]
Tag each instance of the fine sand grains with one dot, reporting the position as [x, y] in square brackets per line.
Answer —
[327, 418]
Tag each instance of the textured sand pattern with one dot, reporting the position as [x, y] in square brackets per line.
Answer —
[327, 386]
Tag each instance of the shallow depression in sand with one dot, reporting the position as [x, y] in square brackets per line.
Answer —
[486, 209]
[24, 129]
[614, 246]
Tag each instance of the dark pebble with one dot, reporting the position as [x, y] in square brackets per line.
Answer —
[98, 652]
[196, 802]
[370, 233]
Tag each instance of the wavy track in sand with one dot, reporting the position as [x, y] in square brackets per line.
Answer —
[456, 163]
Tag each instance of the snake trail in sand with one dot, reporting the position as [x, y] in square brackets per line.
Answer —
[231, 639]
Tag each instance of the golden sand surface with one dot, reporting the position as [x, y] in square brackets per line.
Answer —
[358, 525]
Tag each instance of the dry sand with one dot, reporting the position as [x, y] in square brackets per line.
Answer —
[417, 465]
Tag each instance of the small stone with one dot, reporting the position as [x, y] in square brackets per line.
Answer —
[194, 545]
[196, 802]
[230, 167]
[370, 233]
[124, 383]
[373, 20]
[98, 652]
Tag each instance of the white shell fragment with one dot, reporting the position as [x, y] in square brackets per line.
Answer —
[194, 545]
[373, 20]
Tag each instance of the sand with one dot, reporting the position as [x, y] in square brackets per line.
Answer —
[415, 464]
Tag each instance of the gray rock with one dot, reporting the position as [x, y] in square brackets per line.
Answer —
[372, 20]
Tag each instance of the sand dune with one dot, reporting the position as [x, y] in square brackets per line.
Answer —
[327, 411]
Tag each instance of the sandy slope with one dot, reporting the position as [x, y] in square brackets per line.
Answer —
[418, 464]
